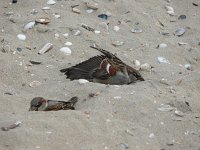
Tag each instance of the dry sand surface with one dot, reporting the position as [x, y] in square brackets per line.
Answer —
[154, 114]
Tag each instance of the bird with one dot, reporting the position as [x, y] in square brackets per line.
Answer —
[42, 104]
[106, 68]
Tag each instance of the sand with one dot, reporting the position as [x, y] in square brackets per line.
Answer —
[119, 117]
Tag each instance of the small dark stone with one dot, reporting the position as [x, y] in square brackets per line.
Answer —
[19, 49]
[103, 16]
[199, 43]
[195, 4]
[34, 62]
[8, 93]
[181, 17]
[14, 1]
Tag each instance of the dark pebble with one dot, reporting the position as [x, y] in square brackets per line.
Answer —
[182, 17]
[103, 16]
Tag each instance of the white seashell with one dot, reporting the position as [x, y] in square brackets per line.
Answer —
[65, 35]
[51, 2]
[45, 48]
[117, 97]
[162, 45]
[188, 66]
[165, 108]
[30, 25]
[97, 32]
[45, 8]
[68, 43]
[116, 28]
[178, 113]
[151, 135]
[162, 60]
[89, 11]
[136, 30]
[21, 37]
[145, 66]
[82, 81]
[35, 84]
[164, 81]
[170, 10]
[182, 43]
[76, 10]
[57, 16]
[66, 50]
[137, 63]
[56, 35]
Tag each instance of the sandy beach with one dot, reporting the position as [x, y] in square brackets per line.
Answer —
[160, 113]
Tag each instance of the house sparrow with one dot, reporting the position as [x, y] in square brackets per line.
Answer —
[41, 104]
[105, 69]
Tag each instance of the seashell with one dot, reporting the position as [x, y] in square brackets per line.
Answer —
[45, 48]
[116, 28]
[136, 30]
[51, 2]
[145, 66]
[170, 10]
[21, 37]
[182, 43]
[30, 25]
[65, 35]
[89, 11]
[76, 10]
[188, 66]
[92, 5]
[118, 43]
[162, 45]
[57, 16]
[137, 63]
[97, 32]
[42, 20]
[165, 108]
[68, 43]
[162, 60]
[181, 17]
[82, 81]
[46, 8]
[76, 32]
[66, 50]
[179, 31]
[56, 35]
[35, 84]
[164, 81]
[151, 135]
[179, 113]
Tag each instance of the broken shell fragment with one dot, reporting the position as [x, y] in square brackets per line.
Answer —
[45, 8]
[76, 32]
[35, 84]
[76, 10]
[16, 124]
[92, 5]
[188, 66]
[137, 63]
[165, 108]
[162, 60]
[170, 10]
[146, 67]
[179, 31]
[45, 48]
[136, 30]
[117, 43]
[116, 28]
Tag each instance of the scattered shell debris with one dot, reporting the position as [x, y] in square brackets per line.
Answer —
[162, 45]
[117, 43]
[68, 43]
[165, 108]
[42, 20]
[170, 10]
[45, 48]
[92, 5]
[145, 67]
[76, 10]
[136, 30]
